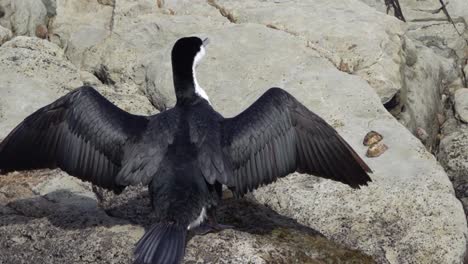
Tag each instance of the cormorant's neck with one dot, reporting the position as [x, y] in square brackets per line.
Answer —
[186, 85]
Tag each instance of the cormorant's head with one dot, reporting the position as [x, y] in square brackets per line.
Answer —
[186, 54]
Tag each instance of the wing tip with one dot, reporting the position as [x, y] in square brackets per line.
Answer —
[360, 179]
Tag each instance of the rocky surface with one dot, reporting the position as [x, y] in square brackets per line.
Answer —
[49, 217]
[23, 16]
[461, 104]
[33, 72]
[371, 50]
[435, 67]
[343, 59]
[453, 152]
[5, 35]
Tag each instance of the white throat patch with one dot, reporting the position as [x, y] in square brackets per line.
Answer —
[198, 90]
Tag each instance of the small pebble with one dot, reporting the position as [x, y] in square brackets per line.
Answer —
[421, 134]
[42, 32]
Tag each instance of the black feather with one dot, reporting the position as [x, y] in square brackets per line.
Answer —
[288, 138]
[164, 243]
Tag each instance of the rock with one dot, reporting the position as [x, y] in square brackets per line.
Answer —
[461, 104]
[107, 2]
[429, 25]
[5, 35]
[42, 32]
[122, 37]
[34, 72]
[415, 10]
[408, 214]
[51, 7]
[68, 191]
[80, 25]
[89, 79]
[63, 228]
[422, 134]
[425, 81]
[384, 219]
[263, 236]
[370, 47]
[454, 157]
[23, 16]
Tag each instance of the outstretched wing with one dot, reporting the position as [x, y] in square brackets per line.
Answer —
[82, 133]
[277, 135]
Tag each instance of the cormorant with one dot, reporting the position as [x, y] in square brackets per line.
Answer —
[184, 154]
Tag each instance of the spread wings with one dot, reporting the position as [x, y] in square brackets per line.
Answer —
[82, 133]
[277, 135]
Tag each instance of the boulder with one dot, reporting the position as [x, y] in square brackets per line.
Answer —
[23, 16]
[79, 25]
[5, 35]
[454, 157]
[426, 75]
[33, 73]
[51, 217]
[461, 104]
[119, 43]
[356, 40]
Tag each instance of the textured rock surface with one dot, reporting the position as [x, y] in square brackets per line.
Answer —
[461, 104]
[426, 75]
[48, 217]
[356, 40]
[23, 16]
[340, 58]
[434, 52]
[33, 72]
[453, 153]
[5, 35]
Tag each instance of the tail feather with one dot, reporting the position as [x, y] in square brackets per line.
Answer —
[164, 243]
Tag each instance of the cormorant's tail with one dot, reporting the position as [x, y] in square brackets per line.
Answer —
[164, 243]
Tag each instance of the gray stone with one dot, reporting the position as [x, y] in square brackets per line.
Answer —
[461, 104]
[23, 16]
[87, 22]
[369, 48]
[65, 230]
[5, 35]
[51, 7]
[34, 72]
[107, 2]
[454, 157]
[67, 191]
[425, 81]
[465, 70]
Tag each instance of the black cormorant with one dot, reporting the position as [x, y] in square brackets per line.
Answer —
[184, 154]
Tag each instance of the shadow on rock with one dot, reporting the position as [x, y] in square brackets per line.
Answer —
[260, 235]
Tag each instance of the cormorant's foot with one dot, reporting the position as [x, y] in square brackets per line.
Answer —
[206, 228]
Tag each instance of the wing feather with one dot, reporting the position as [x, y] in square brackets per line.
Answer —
[277, 135]
[82, 133]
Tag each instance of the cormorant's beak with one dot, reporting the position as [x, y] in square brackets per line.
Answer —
[205, 42]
